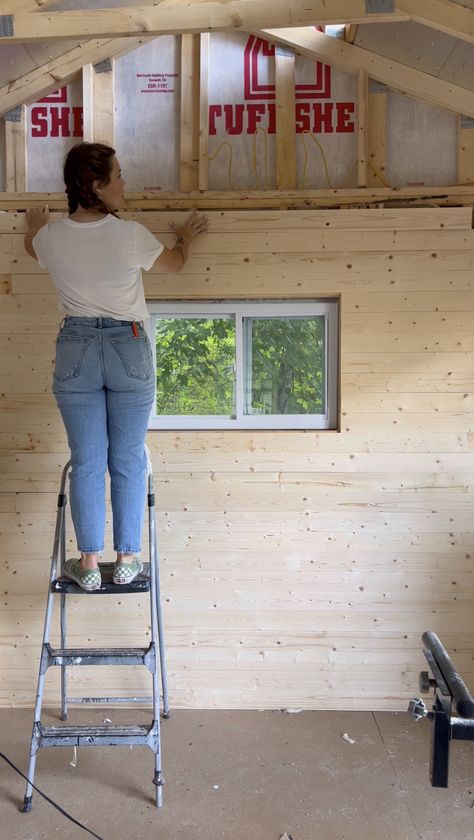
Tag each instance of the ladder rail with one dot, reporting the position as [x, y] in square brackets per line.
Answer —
[157, 778]
[156, 580]
[59, 543]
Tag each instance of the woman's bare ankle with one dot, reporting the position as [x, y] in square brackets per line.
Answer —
[124, 558]
[89, 561]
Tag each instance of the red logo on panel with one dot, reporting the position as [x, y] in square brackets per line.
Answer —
[315, 112]
[319, 89]
[56, 96]
[51, 116]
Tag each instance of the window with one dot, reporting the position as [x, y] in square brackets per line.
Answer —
[245, 364]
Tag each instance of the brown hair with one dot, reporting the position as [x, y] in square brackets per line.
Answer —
[84, 164]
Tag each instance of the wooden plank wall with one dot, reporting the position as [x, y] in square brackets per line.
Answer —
[298, 569]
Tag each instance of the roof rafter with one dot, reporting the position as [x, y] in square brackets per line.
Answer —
[443, 15]
[170, 17]
[350, 58]
[60, 70]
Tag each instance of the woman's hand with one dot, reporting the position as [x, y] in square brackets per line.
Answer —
[196, 225]
[37, 218]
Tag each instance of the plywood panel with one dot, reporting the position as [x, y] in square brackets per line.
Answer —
[298, 568]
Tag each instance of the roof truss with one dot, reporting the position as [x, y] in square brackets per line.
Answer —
[172, 17]
[61, 70]
[353, 59]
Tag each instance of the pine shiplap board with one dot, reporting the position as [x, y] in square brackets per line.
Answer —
[317, 276]
[398, 360]
[207, 459]
[396, 301]
[376, 549]
[313, 650]
[323, 269]
[365, 567]
[454, 218]
[395, 346]
[55, 442]
[268, 497]
[419, 322]
[34, 381]
[296, 241]
[408, 382]
[416, 422]
[246, 518]
[315, 490]
[259, 524]
[412, 402]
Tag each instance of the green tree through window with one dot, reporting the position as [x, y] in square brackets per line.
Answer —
[286, 368]
[195, 360]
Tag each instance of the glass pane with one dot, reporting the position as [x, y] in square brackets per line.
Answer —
[195, 362]
[285, 365]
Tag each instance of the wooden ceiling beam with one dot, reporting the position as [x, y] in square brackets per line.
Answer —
[170, 17]
[444, 15]
[270, 199]
[352, 59]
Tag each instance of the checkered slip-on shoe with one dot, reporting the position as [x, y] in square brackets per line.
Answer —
[87, 579]
[126, 572]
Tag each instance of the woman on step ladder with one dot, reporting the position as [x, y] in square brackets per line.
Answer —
[103, 376]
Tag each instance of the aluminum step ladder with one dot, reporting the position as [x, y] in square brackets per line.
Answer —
[107, 735]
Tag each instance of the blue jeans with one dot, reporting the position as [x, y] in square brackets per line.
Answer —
[104, 387]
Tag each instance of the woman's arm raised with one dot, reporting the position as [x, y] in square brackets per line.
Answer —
[35, 220]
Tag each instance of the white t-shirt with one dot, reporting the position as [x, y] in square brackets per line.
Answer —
[96, 266]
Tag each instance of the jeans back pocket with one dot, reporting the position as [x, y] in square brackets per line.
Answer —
[70, 352]
[135, 356]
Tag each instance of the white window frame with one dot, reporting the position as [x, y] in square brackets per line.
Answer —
[243, 309]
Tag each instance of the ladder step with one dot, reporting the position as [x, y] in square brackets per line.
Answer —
[98, 656]
[104, 701]
[111, 735]
[141, 583]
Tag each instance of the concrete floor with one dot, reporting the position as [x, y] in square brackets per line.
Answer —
[244, 776]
